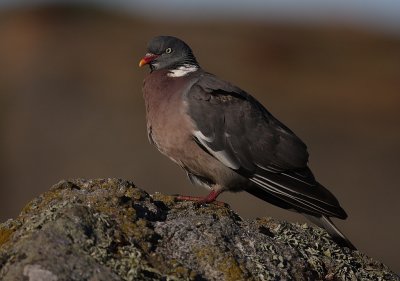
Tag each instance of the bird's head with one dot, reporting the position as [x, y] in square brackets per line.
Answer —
[168, 52]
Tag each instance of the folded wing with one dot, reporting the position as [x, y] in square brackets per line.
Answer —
[238, 131]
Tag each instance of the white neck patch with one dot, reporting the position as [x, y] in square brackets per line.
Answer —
[182, 70]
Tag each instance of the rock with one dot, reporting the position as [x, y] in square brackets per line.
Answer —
[108, 229]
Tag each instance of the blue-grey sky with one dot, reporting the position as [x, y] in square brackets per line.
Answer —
[376, 14]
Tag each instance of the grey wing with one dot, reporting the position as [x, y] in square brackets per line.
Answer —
[238, 131]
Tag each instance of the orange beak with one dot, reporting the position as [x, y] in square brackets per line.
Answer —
[149, 57]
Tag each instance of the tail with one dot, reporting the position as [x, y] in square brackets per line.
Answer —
[334, 232]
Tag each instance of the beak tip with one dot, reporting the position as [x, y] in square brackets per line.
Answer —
[148, 58]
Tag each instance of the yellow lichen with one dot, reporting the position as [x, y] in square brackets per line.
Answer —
[42, 202]
[166, 199]
[5, 234]
[134, 194]
[225, 263]
[231, 269]
[28, 207]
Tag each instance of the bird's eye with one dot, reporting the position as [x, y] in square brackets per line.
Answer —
[168, 50]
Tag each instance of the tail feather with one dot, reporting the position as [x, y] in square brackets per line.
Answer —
[334, 232]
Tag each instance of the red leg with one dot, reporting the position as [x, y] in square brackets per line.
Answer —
[210, 198]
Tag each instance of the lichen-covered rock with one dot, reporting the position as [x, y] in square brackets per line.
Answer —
[108, 229]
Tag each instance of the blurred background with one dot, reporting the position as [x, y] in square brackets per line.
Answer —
[71, 102]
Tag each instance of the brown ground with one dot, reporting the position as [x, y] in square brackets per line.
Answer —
[71, 106]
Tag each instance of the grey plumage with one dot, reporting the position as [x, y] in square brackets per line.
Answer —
[226, 140]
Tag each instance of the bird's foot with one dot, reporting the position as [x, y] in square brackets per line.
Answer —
[209, 199]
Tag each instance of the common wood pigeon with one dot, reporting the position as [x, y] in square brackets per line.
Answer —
[226, 140]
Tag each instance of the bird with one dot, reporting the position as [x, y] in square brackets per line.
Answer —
[226, 140]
